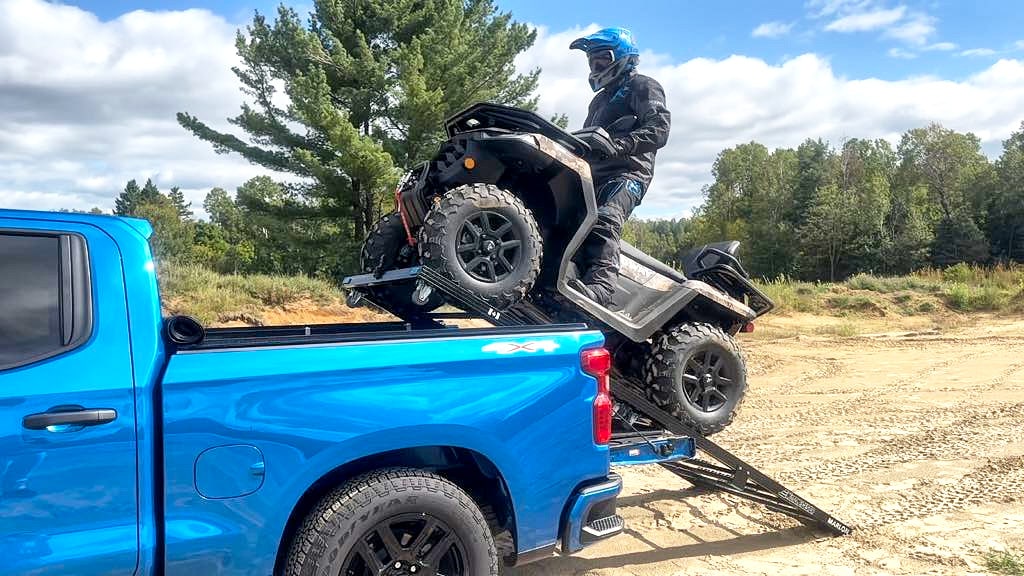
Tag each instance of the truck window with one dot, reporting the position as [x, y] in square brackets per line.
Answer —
[30, 299]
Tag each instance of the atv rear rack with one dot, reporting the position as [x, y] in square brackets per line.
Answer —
[673, 446]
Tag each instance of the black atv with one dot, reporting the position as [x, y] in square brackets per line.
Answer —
[493, 223]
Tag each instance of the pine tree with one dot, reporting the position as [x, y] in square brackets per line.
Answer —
[177, 198]
[128, 200]
[369, 83]
[150, 193]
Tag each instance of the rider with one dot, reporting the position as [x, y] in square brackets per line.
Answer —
[621, 180]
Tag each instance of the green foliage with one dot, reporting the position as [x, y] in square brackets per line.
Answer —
[128, 203]
[986, 298]
[665, 240]
[891, 284]
[214, 297]
[173, 237]
[959, 273]
[818, 213]
[794, 296]
[177, 198]
[960, 288]
[1005, 562]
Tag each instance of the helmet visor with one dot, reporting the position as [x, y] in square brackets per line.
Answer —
[600, 60]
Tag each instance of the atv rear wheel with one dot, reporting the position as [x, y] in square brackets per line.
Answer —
[387, 248]
[484, 239]
[697, 372]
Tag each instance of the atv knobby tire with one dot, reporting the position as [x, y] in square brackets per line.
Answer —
[382, 249]
[697, 373]
[485, 240]
[394, 521]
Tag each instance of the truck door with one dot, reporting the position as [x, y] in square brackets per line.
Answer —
[68, 480]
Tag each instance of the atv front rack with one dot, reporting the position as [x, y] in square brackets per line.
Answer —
[673, 445]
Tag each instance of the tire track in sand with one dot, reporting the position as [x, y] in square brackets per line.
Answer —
[974, 432]
[998, 481]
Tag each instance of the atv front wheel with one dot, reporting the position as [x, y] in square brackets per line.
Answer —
[387, 248]
[697, 372]
[484, 239]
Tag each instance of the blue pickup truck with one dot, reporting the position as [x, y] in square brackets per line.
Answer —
[351, 449]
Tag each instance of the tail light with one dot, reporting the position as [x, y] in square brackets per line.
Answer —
[598, 363]
[747, 328]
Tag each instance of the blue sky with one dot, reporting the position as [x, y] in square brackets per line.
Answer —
[687, 29]
[89, 89]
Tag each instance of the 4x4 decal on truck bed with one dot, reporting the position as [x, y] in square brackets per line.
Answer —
[513, 347]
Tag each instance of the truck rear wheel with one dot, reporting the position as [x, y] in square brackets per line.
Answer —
[697, 372]
[485, 240]
[397, 521]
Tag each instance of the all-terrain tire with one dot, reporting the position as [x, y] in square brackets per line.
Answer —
[674, 372]
[451, 225]
[357, 510]
[382, 248]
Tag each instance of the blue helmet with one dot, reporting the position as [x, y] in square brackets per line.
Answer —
[612, 54]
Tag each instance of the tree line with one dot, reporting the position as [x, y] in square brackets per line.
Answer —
[820, 212]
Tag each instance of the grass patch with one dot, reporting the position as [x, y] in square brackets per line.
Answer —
[853, 303]
[792, 296]
[213, 297]
[960, 288]
[1005, 562]
[888, 285]
[988, 298]
[843, 330]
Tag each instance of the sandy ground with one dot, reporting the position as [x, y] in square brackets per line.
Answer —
[913, 435]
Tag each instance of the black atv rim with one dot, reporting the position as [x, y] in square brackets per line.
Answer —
[407, 545]
[708, 380]
[489, 248]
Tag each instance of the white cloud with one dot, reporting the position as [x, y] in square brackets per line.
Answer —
[772, 30]
[822, 8]
[978, 52]
[86, 105]
[915, 30]
[865, 21]
[717, 104]
[901, 53]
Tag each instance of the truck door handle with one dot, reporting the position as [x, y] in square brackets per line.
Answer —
[69, 416]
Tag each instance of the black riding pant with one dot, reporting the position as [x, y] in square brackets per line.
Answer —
[616, 200]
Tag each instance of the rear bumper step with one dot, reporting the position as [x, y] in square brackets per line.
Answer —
[603, 528]
[591, 515]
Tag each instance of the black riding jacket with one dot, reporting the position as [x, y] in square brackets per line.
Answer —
[640, 96]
